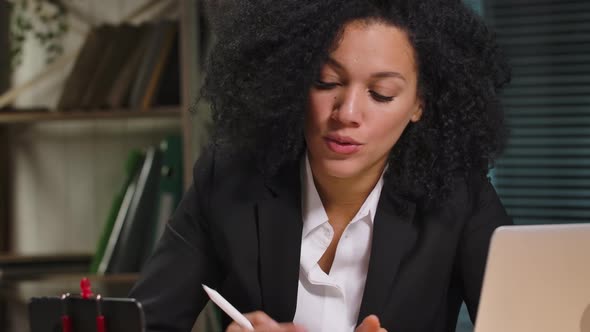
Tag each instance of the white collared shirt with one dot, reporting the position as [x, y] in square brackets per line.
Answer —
[331, 302]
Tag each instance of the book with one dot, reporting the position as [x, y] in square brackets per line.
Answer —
[125, 65]
[109, 250]
[134, 235]
[161, 41]
[162, 59]
[125, 40]
[169, 86]
[112, 38]
[118, 94]
[132, 165]
[169, 187]
[77, 81]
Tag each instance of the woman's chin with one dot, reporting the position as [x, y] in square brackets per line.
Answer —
[341, 169]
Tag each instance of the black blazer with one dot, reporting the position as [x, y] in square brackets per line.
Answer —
[241, 234]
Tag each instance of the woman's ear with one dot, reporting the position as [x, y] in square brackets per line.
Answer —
[417, 115]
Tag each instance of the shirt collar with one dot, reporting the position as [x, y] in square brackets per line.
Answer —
[313, 211]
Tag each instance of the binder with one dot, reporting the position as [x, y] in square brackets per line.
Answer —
[108, 252]
[117, 213]
[120, 314]
[128, 253]
[170, 187]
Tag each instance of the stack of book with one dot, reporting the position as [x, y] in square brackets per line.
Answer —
[125, 66]
[142, 208]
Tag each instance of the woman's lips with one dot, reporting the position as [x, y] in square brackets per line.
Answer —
[342, 145]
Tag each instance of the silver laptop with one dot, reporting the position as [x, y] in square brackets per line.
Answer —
[537, 279]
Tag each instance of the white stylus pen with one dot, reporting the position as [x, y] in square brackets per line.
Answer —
[228, 308]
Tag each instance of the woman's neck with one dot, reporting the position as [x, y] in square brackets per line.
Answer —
[343, 197]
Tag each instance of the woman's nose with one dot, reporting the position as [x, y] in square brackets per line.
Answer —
[348, 109]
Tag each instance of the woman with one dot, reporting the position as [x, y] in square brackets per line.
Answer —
[346, 187]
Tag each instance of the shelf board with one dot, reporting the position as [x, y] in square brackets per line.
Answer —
[32, 116]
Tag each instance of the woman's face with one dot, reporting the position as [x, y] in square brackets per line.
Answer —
[364, 97]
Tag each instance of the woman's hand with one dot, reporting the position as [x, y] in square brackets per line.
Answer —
[370, 324]
[263, 323]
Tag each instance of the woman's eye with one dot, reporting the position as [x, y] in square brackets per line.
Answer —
[325, 85]
[380, 98]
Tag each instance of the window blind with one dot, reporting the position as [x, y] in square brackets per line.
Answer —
[544, 174]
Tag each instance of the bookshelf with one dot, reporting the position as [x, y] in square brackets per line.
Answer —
[133, 125]
[55, 152]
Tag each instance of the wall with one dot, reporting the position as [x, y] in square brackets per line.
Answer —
[4, 45]
[4, 146]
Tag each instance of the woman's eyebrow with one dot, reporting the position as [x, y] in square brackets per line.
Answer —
[386, 74]
[383, 74]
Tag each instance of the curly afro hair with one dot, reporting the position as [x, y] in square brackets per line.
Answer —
[265, 61]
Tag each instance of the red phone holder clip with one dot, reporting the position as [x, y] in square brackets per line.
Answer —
[85, 288]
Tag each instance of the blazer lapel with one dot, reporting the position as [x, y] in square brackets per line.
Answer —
[393, 236]
[279, 232]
